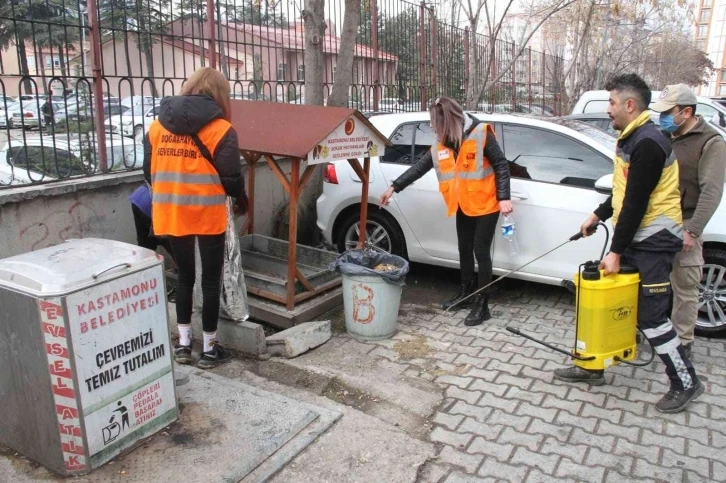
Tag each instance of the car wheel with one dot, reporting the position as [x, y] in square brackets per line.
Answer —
[138, 131]
[382, 231]
[712, 294]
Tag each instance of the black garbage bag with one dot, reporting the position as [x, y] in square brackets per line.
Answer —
[364, 262]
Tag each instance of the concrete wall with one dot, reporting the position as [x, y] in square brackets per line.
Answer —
[35, 217]
[41, 216]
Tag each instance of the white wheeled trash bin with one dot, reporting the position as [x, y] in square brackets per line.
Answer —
[85, 355]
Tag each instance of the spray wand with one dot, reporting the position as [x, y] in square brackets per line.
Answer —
[574, 237]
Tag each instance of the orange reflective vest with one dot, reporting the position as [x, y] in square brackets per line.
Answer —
[467, 181]
[187, 194]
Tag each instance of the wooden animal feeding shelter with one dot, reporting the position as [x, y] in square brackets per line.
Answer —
[285, 272]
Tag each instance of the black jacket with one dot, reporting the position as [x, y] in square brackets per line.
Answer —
[647, 151]
[492, 151]
[188, 115]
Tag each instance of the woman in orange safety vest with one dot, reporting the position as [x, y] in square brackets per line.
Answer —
[192, 162]
[473, 179]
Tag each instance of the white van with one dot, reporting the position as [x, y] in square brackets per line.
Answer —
[597, 101]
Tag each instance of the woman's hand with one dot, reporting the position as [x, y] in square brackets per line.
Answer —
[505, 206]
[386, 196]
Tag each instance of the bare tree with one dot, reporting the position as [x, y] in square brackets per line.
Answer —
[346, 55]
[483, 69]
[641, 36]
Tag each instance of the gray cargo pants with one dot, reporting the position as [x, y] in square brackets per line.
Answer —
[685, 277]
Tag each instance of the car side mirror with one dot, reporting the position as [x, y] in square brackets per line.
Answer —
[604, 185]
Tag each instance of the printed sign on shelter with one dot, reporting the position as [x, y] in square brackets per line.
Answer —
[352, 139]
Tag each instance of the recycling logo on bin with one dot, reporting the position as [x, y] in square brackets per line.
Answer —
[123, 361]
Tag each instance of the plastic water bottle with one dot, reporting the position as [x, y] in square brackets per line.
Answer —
[508, 232]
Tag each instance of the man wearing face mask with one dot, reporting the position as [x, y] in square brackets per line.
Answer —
[701, 154]
[646, 216]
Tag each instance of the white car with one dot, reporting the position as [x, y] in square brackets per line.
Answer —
[6, 113]
[568, 173]
[133, 123]
[139, 101]
[597, 101]
[29, 115]
[46, 158]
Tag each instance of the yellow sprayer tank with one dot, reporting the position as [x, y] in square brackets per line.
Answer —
[607, 315]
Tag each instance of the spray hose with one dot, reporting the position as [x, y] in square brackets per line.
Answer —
[640, 364]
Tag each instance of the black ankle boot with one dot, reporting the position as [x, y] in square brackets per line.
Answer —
[465, 289]
[480, 312]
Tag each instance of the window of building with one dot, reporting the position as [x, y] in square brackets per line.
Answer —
[705, 16]
[702, 31]
[52, 61]
[722, 90]
[705, 3]
[281, 72]
[301, 73]
[702, 44]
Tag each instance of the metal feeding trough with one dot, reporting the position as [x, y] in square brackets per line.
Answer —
[265, 262]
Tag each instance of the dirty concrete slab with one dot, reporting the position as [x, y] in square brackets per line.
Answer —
[358, 448]
[356, 366]
[226, 430]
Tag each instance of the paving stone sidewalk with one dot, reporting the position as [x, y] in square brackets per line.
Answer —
[504, 418]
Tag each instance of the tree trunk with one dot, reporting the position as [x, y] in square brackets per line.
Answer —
[472, 94]
[223, 59]
[24, 66]
[346, 54]
[63, 67]
[200, 23]
[572, 72]
[314, 17]
[41, 64]
[149, 56]
[128, 57]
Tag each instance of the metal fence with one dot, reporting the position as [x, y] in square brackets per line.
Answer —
[103, 66]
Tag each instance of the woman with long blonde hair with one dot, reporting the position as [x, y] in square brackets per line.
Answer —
[474, 181]
[192, 162]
